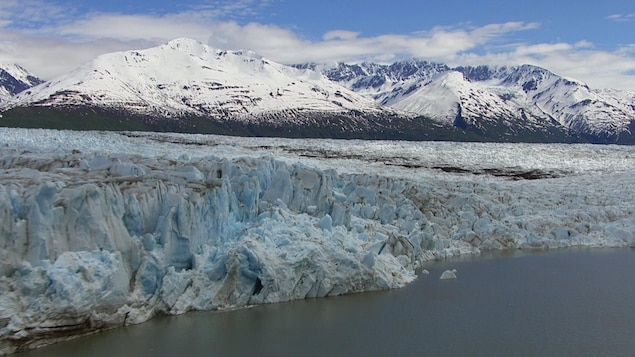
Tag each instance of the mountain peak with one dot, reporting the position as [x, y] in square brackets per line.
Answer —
[185, 77]
[14, 79]
[197, 48]
[184, 41]
[189, 46]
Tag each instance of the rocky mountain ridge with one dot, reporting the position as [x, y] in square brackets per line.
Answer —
[482, 96]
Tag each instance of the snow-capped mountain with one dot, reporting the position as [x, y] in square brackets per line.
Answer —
[187, 86]
[484, 97]
[14, 79]
[185, 78]
[378, 80]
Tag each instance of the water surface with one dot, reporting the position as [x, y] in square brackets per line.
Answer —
[577, 302]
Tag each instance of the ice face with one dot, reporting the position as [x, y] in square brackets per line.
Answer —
[130, 238]
[114, 229]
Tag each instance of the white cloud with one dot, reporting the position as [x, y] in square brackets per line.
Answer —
[340, 35]
[599, 69]
[583, 44]
[232, 9]
[621, 17]
[29, 13]
[131, 27]
[53, 47]
[543, 49]
[492, 31]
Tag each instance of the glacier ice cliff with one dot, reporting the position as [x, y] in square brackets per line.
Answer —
[91, 241]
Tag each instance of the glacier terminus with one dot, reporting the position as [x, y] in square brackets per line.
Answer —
[106, 229]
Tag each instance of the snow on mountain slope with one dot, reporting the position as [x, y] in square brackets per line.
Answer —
[442, 101]
[14, 79]
[380, 81]
[572, 103]
[622, 95]
[523, 95]
[185, 77]
[449, 95]
[240, 93]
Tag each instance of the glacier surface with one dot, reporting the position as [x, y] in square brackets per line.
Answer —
[108, 229]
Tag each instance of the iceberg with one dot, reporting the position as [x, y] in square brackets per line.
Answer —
[448, 275]
[112, 229]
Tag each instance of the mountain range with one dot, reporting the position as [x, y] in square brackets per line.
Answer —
[485, 97]
[187, 86]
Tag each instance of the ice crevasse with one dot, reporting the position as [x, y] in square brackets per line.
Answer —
[91, 242]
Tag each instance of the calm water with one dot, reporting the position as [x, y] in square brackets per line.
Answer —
[566, 303]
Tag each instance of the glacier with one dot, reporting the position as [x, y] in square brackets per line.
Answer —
[106, 229]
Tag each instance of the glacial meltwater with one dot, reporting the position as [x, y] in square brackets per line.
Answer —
[572, 302]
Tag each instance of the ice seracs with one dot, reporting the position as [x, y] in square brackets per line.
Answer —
[95, 241]
[104, 229]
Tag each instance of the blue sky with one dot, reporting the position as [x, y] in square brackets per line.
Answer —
[592, 41]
